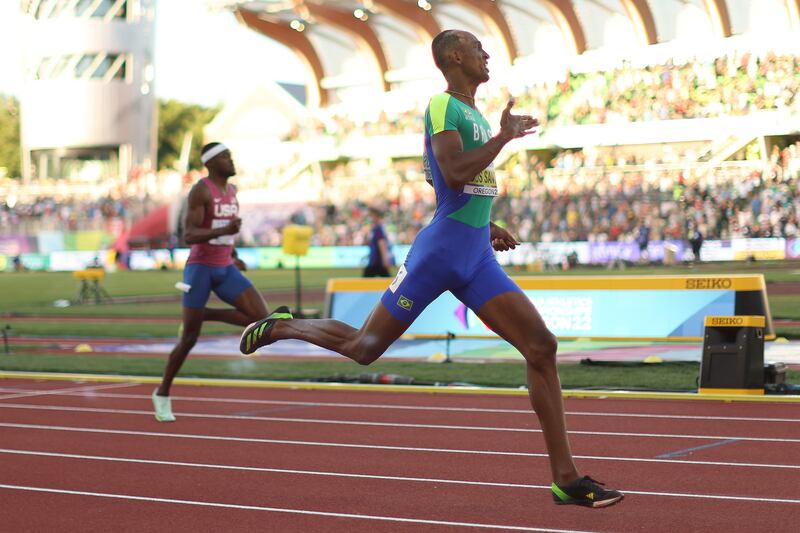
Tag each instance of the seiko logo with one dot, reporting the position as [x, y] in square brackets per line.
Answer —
[727, 321]
[713, 283]
[225, 210]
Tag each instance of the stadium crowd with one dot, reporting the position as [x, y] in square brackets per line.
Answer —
[573, 196]
[731, 85]
[614, 204]
[68, 213]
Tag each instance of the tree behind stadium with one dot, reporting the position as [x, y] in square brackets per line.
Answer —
[175, 119]
[10, 154]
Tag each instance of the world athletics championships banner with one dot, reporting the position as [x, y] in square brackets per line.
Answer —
[598, 307]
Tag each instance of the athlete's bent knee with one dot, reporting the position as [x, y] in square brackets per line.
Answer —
[368, 359]
[542, 352]
[366, 351]
[365, 356]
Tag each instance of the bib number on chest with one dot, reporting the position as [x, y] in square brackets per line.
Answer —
[484, 184]
[222, 240]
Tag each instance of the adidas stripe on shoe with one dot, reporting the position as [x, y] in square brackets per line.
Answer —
[256, 334]
[587, 492]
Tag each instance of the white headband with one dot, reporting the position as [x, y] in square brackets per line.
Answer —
[212, 153]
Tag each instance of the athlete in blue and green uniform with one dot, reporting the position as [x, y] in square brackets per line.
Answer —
[455, 252]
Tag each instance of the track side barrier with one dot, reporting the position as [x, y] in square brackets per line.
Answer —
[636, 308]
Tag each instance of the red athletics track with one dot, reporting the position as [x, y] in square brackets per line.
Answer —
[90, 457]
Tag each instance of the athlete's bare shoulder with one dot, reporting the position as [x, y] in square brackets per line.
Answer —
[199, 193]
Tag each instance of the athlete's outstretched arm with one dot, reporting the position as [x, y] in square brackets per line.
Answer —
[198, 198]
[460, 167]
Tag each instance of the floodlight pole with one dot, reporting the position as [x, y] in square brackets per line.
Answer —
[298, 290]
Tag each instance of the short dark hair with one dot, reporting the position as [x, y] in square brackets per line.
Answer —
[207, 147]
[442, 44]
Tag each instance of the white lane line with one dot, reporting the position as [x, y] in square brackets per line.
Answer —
[370, 476]
[286, 510]
[257, 440]
[438, 409]
[71, 391]
[394, 425]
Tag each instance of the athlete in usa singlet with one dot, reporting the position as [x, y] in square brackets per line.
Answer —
[211, 224]
[210, 264]
[216, 252]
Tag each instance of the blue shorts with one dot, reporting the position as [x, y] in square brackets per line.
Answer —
[447, 256]
[226, 282]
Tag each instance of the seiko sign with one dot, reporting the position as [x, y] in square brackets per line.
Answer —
[710, 283]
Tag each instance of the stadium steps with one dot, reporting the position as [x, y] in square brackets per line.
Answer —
[289, 178]
[724, 148]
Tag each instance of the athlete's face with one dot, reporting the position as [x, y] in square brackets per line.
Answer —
[222, 164]
[474, 59]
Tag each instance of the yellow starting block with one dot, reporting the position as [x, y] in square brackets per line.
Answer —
[90, 287]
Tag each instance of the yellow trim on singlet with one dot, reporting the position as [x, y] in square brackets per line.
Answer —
[438, 110]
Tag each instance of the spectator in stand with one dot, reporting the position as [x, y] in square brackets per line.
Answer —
[380, 259]
[643, 240]
[696, 241]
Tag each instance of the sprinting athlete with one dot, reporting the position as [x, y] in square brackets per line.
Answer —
[455, 253]
[212, 221]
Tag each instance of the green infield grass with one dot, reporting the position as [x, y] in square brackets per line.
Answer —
[33, 294]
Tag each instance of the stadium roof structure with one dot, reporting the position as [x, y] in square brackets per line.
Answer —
[383, 42]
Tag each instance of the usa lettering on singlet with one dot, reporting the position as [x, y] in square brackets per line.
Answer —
[223, 214]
